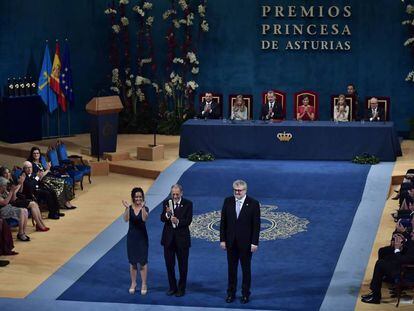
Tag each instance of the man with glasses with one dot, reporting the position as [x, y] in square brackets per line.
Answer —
[239, 236]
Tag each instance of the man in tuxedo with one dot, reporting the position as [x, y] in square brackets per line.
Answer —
[375, 113]
[389, 265]
[177, 214]
[352, 92]
[209, 109]
[33, 189]
[239, 236]
[272, 110]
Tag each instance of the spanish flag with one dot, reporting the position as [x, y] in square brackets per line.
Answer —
[55, 79]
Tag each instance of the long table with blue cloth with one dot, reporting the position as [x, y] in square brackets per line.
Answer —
[289, 140]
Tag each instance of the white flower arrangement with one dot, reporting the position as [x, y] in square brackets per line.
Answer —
[192, 85]
[128, 82]
[139, 80]
[124, 2]
[116, 28]
[168, 13]
[114, 89]
[129, 93]
[410, 76]
[183, 4]
[176, 23]
[168, 89]
[195, 70]
[124, 21]
[140, 95]
[149, 20]
[145, 61]
[409, 41]
[156, 87]
[192, 58]
[410, 9]
[138, 10]
[204, 26]
[202, 10]
[178, 60]
[190, 18]
[147, 6]
[110, 11]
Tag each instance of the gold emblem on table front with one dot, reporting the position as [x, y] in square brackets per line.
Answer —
[284, 137]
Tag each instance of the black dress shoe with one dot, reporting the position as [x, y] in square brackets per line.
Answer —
[171, 292]
[180, 293]
[53, 217]
[4, 263]
[371, 299]
[230, 298]
[367, 295]
[61, 214]
[244, 299]
[71, 207]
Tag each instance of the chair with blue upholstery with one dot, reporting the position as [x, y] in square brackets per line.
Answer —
[56, 173]
[65, 159]
[75, 174]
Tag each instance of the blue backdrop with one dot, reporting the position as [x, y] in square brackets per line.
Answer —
[231, 58]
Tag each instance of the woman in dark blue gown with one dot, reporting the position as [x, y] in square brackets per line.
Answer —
[137, 239]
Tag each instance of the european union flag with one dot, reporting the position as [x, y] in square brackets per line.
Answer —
[66, 81]
[44, 90]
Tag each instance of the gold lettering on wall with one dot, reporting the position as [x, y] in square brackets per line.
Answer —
[309, 28]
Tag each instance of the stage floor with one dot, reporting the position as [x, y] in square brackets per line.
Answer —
[40, 258]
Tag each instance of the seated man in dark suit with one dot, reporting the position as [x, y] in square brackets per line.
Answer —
[375, 113]
[33, 189]
[272, 110]
[389, 265]
[209, 109]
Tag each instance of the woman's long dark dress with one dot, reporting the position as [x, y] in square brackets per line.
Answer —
[137, 239]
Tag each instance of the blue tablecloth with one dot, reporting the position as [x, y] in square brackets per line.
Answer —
[320, 140]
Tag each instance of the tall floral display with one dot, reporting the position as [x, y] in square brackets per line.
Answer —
[133, 81]
[151, 95]
[187, 21]
[409, 9]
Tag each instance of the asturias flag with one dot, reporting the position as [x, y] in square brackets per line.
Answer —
[55, 79]
[66, 82]
[44, 90]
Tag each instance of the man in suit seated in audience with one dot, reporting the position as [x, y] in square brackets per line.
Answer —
[272, 110]
[389, 264]
[375, 113]
[209, 109]
[32, 188]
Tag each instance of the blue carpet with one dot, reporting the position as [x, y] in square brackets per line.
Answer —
[291, 273]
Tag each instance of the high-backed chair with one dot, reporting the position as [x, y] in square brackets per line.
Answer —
[248, 101]
[280, 98]
[218, 98]
[349, 101]
[383, 102]
[65, 159]
[313, 101]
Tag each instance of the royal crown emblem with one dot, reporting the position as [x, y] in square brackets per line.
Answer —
[284, 137]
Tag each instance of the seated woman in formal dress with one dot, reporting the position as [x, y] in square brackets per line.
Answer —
[9, 211]
[306, 112]
[239, 109]
[137, 238]
[58, 185]
[341, 110]
[20, 201]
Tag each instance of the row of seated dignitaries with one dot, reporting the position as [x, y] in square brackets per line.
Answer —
[306, 110]
[396, 261]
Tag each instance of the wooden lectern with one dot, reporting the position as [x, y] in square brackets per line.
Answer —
[104, 123]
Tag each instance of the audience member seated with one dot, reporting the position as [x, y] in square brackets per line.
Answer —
[401, 251]
[341, 110]
[374, 112]
[62, 189]
[352, 92]
[239, 109]
[209, 109]
[9, 211]
[306, 112]
[6, 240]
[272, 110]
[21, 201]
[34, 189]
